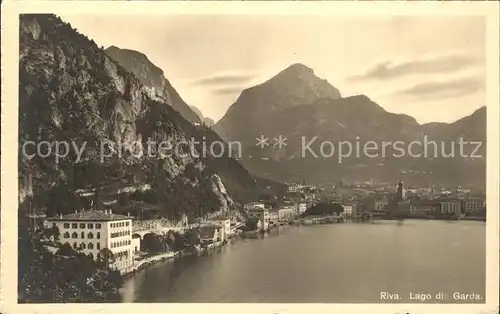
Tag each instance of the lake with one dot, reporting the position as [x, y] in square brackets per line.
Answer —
[338, 263]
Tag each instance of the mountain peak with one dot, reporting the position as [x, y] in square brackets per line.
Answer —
[294, 86]
[152, 77]
[299, 67]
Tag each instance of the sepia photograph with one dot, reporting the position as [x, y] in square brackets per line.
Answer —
[182, 157]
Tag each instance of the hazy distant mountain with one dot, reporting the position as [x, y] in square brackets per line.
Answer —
[206, 120]
[153, 79]
[472, 127]
[197, 111]
[295, 85]
[303, 108]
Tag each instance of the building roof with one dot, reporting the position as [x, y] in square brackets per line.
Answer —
[257, 209]
[254, 203]
[90, 215]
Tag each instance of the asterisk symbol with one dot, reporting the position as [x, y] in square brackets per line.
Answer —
[280, 141]
[262, 141]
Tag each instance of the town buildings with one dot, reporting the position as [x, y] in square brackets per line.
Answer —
[90, 231]
[262, 214]
[450, 207]
[286, 212]
[294, 188]
[225, 224]
[252, 205]
[472, 206]
[211, 233]
[381, 205]
[348, 210]
[301, 207]
[273, 215]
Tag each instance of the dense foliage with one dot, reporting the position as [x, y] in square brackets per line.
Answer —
[251, 224]
[51, 273]
[322, 209]
[171, 241]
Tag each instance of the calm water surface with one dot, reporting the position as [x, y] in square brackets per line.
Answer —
[326, 263]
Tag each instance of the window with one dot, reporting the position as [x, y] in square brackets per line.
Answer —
[90, 235]
[98, 235]
[74, 235]
[66, 225]
[66, 235]
[129, 242]
[82, 246]
[82, 226]
[83, 235]
[98, 245]
[91, 246]
[74, 225]
[74, 245]
[90, 226]
[98, 226]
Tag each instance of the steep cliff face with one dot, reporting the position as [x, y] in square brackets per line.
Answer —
[72, 92]
[153, 79]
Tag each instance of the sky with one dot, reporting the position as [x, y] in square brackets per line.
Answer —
[429, 67]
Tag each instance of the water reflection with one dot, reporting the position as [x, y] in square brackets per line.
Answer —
[324, 263]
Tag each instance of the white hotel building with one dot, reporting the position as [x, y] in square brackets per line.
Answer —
[90, 231]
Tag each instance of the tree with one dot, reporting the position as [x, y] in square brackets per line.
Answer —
[192, 237]
[322, 209]
[152, 243]
[251, 223]
[106, 258]
[65, 250]
[66, 276]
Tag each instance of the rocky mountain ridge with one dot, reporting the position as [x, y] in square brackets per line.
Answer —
[71, 91]
[153, 79]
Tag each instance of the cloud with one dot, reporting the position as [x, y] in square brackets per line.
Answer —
[444, 63]
[224, 79]
[228, 90]
[444, 89]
